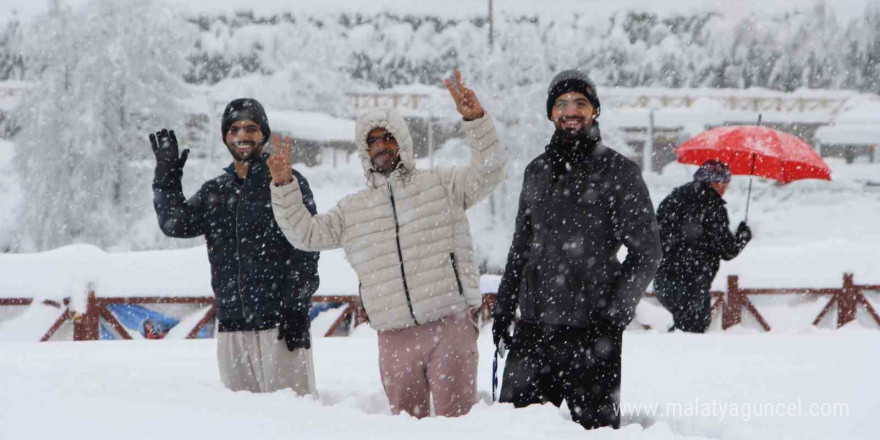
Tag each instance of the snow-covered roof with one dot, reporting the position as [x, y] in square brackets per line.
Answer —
[673, 108]
[862, 112]
[849, 135]
[678, 107]
[858, 124]
[410, 100]
[313, 126]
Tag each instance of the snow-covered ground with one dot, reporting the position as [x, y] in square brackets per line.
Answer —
[718, 386]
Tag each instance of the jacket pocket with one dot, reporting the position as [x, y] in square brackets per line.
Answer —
[455, 271]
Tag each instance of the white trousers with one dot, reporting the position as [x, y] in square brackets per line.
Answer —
[258, 362]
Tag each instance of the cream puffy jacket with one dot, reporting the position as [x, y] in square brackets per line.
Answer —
[406, 235]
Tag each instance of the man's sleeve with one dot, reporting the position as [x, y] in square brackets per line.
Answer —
[506, 299]
[304, 229]
[178, 217]
[306, 263]
[487, 169]
[717, 236]
[636, 224]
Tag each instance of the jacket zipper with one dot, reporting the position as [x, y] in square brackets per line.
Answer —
[455, 269]
[238, 247]
[400, 254]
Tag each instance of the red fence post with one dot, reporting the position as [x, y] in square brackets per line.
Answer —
[487, 305]
[731, 314]
[86, 326]
[847, 301]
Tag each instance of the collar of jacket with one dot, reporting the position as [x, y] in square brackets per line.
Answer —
[257, 163]
[594, 150]
[376, 179]
[583, 162]
[713, 195]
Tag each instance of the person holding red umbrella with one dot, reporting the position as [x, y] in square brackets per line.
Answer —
[693, 220]
[695, 236]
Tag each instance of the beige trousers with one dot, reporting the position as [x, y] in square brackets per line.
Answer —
[258, 362]
[437, 359]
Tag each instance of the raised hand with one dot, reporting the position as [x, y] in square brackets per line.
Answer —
[466, 101]
[168, 162]
[279, 162]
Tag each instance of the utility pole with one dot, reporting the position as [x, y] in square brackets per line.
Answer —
[648, 149]
[491, 26]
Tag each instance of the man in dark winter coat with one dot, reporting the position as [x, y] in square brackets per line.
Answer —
[580, 202]
[263, 286]
[694, 229]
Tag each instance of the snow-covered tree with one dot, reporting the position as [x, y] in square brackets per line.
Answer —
[84, 124]
[12, 64]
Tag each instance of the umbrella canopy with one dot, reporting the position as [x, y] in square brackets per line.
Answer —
[756, 151]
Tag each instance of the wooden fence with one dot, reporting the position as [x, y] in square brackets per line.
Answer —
[732, 304]
[86, 326]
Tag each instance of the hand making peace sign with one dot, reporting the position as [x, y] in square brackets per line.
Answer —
[279, 163]
[466, 101]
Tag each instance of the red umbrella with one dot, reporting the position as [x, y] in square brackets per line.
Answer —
[756, 151]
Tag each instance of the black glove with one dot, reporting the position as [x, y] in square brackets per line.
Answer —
[743, 233]
[294, 329]
[501, 331]
[169, 165]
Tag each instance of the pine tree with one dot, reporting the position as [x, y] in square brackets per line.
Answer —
[12, 64]
[113, 72]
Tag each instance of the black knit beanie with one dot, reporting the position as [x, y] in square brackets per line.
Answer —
[243, 109]
[572, 81]
[713, 171]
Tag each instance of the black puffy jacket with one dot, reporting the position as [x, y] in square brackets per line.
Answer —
[255, 272]
[695, 233]
[562, 268]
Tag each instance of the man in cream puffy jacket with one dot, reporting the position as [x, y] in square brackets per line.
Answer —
[408, 239]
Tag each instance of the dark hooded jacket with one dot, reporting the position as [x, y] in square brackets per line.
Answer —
[562, 268]
[255, 272]
[695, 233]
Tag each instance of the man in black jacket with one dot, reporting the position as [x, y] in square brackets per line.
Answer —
[580, 202]
[694, 230]
[262, 285]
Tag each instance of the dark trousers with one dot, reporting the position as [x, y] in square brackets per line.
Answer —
[549, 364]
[689, 301]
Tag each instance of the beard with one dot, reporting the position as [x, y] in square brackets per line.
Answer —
[253, 151]
[385, 161]
[570, 137]
[569, 147]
